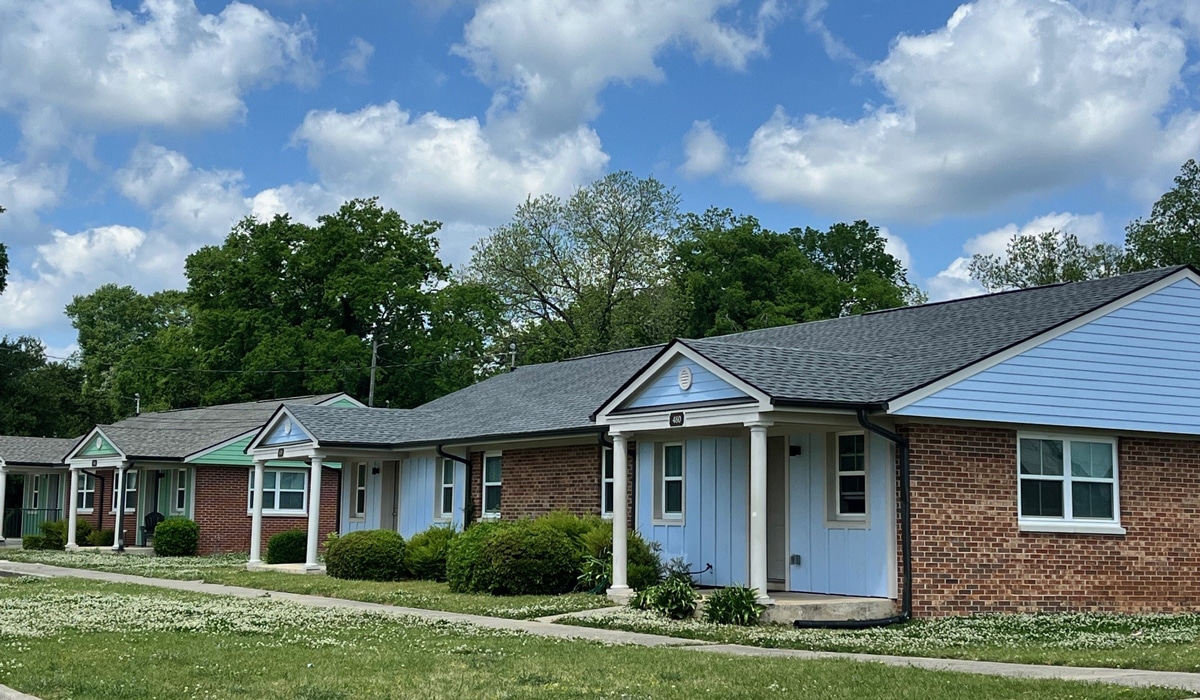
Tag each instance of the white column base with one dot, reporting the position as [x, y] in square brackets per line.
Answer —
[621, 595]
[70, 547]
[765, 600]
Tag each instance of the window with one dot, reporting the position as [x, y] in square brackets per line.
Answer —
[1068, 484]
[36, 498]
[360, 490]
[179, 504]
[445, 493]
[606, 483]
[672, 482]
[131, 486]
[492, 467]
[283, 491]
[85, 497]
[851, 482]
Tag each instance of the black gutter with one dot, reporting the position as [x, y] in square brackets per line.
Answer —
[905, 540]
[468, 502]
[464, 440]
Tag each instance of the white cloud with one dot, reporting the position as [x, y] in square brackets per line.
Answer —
[549, 59]
[835, 48]
[26, 189]
[357, 57]
[1010, 97]
[895, 246]
[955, 281]
[168, 64]
[705, 151]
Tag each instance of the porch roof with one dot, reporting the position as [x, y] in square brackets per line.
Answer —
[35, 451]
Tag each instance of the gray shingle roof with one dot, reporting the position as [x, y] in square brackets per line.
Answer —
[34, 451]
[876, 357]
[172, 435]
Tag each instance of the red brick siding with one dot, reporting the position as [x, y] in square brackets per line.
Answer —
[220, 510]
[541, 480]
[970, 557]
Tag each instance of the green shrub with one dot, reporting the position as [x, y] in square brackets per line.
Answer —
[596, 575]
[733, 605]
[425, 555]
[674, 597]
[367, 555]
[679, 569]
[288, 547]
[176, 537]
[83, 530]
[33, 542]
[54, 533]
[529, 558]
[100, 538]
[577, 529]
[464, 556]
[644, 565]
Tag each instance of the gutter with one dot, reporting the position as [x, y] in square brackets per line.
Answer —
[468, 502]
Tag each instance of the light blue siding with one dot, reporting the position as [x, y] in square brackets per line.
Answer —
[837, 559]
[419, 494]
[664, 389]
[716, 513]
[1136, 368]
[286, 432]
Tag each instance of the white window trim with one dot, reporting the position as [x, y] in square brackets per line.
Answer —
[82, 482]
[486, 484]
[605, 480]
[834, 518]
[359, 469]
[276, 511]
[137, 486]
[440, 489]
[1068, 524]
[180, 484]
[664, 516]
[35, 494]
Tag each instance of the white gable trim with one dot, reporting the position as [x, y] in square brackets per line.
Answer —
[294, 450]
[674, 351]
[916, 395]
[73, 455]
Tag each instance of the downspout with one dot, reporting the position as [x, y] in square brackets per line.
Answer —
[905, 615]
[468, 502]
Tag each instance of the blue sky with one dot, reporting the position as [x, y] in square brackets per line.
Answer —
[133, 133]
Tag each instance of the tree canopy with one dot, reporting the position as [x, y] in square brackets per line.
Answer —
[1046, 258]
[1171, 234]
[43, 398]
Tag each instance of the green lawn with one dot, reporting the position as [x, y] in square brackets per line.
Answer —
[1157, 642]
[230, 569]
[67, 638]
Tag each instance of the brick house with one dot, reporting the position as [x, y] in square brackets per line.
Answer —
[1033, 450]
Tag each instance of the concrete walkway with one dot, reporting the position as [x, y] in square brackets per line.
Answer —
[1127, 677]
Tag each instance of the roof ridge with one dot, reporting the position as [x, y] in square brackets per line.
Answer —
[720, 340]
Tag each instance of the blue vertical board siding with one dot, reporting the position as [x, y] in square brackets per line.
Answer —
[1135, 368]
[370, 518]
[715, 528]
[419, 494]
[837, 559]
[664, 389]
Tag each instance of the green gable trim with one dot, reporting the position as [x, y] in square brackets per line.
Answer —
[234, 455]
[343, 403]
[103, 449]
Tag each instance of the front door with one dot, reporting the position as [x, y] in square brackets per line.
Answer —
[777, 513]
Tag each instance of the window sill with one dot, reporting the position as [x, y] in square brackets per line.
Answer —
[128, 511]
[670, 522]
[281, 513]
[1071, 528]
[606, 516]
[355, 518]
[84, 511]
[848, 524]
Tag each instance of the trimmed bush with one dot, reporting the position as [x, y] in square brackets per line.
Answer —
[288, 547]
[528, 558]
[644, 564]
[464, 556]
[578, 529]
[32, 542]
[176, 537]
[54, 535]
[100, 538]
[366, 555]
[425, 555]
[733, 605]
[83, 530]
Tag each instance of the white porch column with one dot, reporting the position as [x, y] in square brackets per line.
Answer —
[3, 487]
[72, 509]
[314, 514]
[256, 513]
[119, 507]
[620, 590]
[758, 509]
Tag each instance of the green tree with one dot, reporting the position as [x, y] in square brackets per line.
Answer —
[571, 273]
[1050, 257]
[42, 398]
[1171, 236]
[868, 277]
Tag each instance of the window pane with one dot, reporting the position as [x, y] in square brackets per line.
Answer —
[447, 472]
[290, 500]
[1092, 500]
[447, 501]
[852, 495]
[360, 501]
[673, 460]
[268, 480]
[491, 499]
[268, 500]
[673, 497]
[1041, 498]
[492, 467]
[1041, 457]
[607, 506]
[291, 481]
[608, 464]
[1031, 456]
[1092, 460]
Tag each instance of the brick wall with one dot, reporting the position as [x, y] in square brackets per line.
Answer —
[970, 557]
[220, 510]
[541, 480]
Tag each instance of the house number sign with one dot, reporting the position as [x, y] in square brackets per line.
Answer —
[677, 419]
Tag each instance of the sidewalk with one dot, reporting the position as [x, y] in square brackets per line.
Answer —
[1126, 677]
